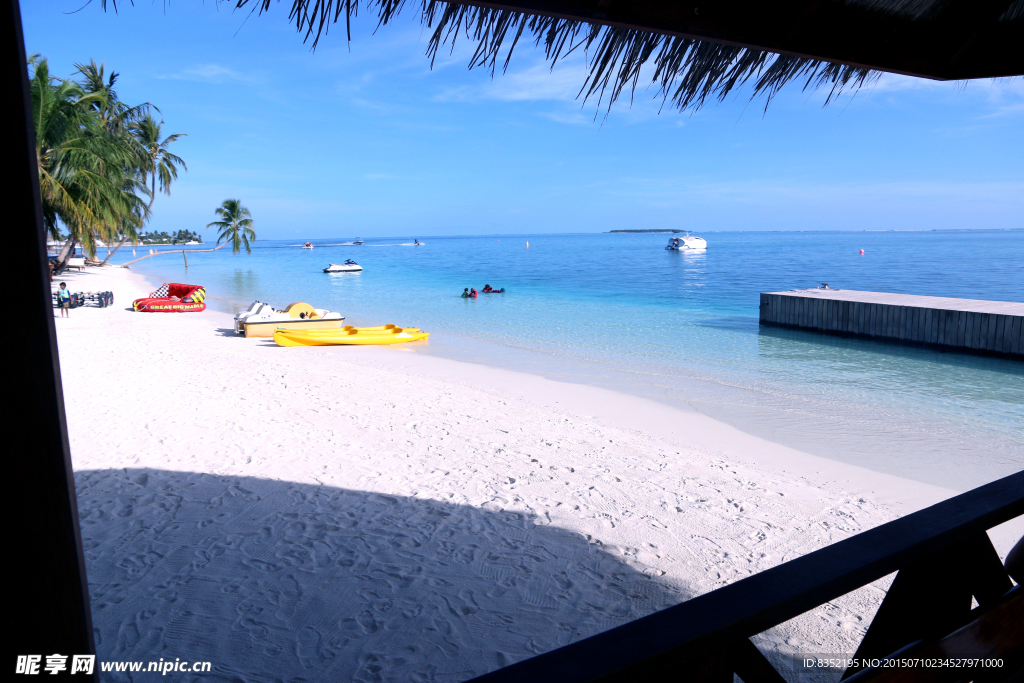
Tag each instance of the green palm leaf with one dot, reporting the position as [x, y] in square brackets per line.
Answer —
[235, 226]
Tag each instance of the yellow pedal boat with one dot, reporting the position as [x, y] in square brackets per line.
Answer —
[349, 337]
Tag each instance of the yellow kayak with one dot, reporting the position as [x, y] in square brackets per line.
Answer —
[387, 329]
[396, 335]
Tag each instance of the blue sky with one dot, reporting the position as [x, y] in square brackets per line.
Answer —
[367, 140]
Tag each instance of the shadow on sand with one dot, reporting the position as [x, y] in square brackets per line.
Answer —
[275, 580]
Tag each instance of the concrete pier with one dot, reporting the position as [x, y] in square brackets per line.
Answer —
[994, 327]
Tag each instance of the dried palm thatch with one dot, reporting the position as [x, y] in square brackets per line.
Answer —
[687, 72]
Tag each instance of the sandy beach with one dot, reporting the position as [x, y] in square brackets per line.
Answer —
[380, 514]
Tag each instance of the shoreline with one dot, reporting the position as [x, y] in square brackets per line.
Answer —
[341, 504]
[914, 436]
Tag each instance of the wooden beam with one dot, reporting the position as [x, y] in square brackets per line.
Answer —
[695, 630]
[48, 607]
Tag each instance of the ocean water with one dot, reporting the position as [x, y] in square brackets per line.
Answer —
[618, 310]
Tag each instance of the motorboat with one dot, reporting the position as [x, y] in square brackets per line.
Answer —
[261, 319]
[358, 241]
[686, 242]
[307, 245]
[349, 266]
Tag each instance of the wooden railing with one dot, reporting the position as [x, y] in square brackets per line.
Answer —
[943, 557]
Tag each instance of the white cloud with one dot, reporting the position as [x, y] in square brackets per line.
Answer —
[532, 84]
[574, 118]
[209, 73]
[995, 90]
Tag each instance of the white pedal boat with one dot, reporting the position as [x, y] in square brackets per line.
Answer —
[348, 266]
[262, 319]
[686, 242]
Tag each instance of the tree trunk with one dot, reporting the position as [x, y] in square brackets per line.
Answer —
[66, 255]
[152, 198]
[173, 251]
[64, 250]
[111, 253]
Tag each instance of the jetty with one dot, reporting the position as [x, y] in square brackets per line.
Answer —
[970, 325]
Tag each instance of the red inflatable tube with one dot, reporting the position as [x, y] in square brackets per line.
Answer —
[173, 298]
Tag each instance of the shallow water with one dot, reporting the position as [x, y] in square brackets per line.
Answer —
[618, 310]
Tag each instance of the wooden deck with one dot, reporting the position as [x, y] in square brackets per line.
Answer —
[994, 327]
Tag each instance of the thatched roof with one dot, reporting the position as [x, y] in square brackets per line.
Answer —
[702, 49]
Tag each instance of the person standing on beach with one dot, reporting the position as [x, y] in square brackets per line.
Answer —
[64, 300]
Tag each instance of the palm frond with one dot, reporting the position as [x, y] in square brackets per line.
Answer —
[236, 225]
[88, 163]
[686, 72]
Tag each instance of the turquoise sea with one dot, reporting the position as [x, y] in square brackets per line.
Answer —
[618, 310]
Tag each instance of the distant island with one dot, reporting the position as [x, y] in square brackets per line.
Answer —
[658, 230]
[180, 237]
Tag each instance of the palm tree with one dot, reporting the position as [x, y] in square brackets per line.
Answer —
[160, 164]
[235, 228]
[235, 225]
[115, 116]
[87, 179]
[156, 163]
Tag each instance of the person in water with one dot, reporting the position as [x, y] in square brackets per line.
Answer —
[465, 293]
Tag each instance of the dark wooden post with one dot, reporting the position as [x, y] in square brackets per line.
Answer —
[48, 608]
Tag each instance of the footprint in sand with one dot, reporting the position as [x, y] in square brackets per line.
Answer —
[367, 622]
[307, 648]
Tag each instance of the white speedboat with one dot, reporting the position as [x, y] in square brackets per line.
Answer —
[262, 319]
[359, 241]
[686, 242]
[307, 245]
[349, 266]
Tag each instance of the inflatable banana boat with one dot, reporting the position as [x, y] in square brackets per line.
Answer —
[349, 336]
[173, 298]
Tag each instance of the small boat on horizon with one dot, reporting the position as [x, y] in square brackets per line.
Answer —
[307, 245]
[686, 242]
[358, 241]
[349, 266]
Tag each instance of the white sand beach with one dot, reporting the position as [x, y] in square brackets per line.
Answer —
[379, 514]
